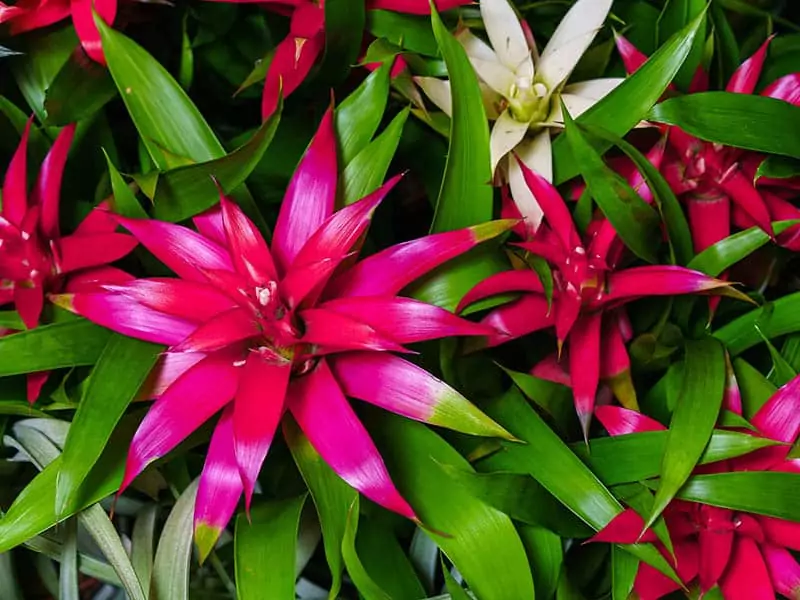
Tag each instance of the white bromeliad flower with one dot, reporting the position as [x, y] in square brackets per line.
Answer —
[523, 91]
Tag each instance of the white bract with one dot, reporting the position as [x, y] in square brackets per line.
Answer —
[523, 91]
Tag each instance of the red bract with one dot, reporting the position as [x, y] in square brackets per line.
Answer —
[34, 256]
[587, 286]
[709, 177]
[27, 15]
[299, 51]
[255, 331]
[746, 554]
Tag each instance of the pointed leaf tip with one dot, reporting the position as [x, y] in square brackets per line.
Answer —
[205, 538]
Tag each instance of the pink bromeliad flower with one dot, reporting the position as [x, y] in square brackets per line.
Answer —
[34, 256]
[715, 181]
[588, 293]
[255, 331]
[27, 15]
[299, 51]
[747, 555]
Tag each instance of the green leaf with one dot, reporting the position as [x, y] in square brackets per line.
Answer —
[778, 167]
[19, 409]
[634, 220]
[678, 231]
[410, 32]
[124, 201]
[163, 114]
[724, 254]
[693, 420]
[775, 319]
[366, 172]
[33, 511]
[266, 549]
[344, 32]
[629, 103]
[10, 319]
[332, 498]
[520, 497]
[81, 88]
[69, 344]
[385, 560]
[624, 567]
[143, 543]
[44, 56]
[637, 456]
[453, 587]
[480, 540]
[774, 494]
[95, 520]
[546, 556]
[465, 197]
[564, 475]
[741, 120]
[367, 588]
[553, 398]
[447, 284]
[170, 580]
[186, 191]
[114, 382]
[675, 16]
[358, 116]
[755, 389]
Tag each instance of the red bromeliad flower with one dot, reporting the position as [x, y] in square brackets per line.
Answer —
[254, 331]
[27, 15]
[34, 256]
[709, 177]
[746, 554]
[588, 291]
[298, 52]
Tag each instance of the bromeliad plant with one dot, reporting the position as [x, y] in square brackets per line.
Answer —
[585, 304]
[255, 332]
[747, 555]
[720, 184]
[263, 367]
[35, 259]
[523, 91]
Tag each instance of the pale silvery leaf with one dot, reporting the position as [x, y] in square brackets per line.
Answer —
[507, 37]
[486, 64]
[506, 134]
[573, 36]
[438, 92]
[537, 156]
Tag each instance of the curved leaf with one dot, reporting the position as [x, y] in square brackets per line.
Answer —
[465, 197]
[70, 344]
[170, 579]
[774, 319]
[113, 384]
[692, 424]
[365, 585]
[637, 456]
[769, 493]
[480, 540]
[628, 104]
[332, 497]
[741, 120]
[366, 172]
[186, 191]
[358, 116]
[265, 550]
[633, 219]
[724, 254]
